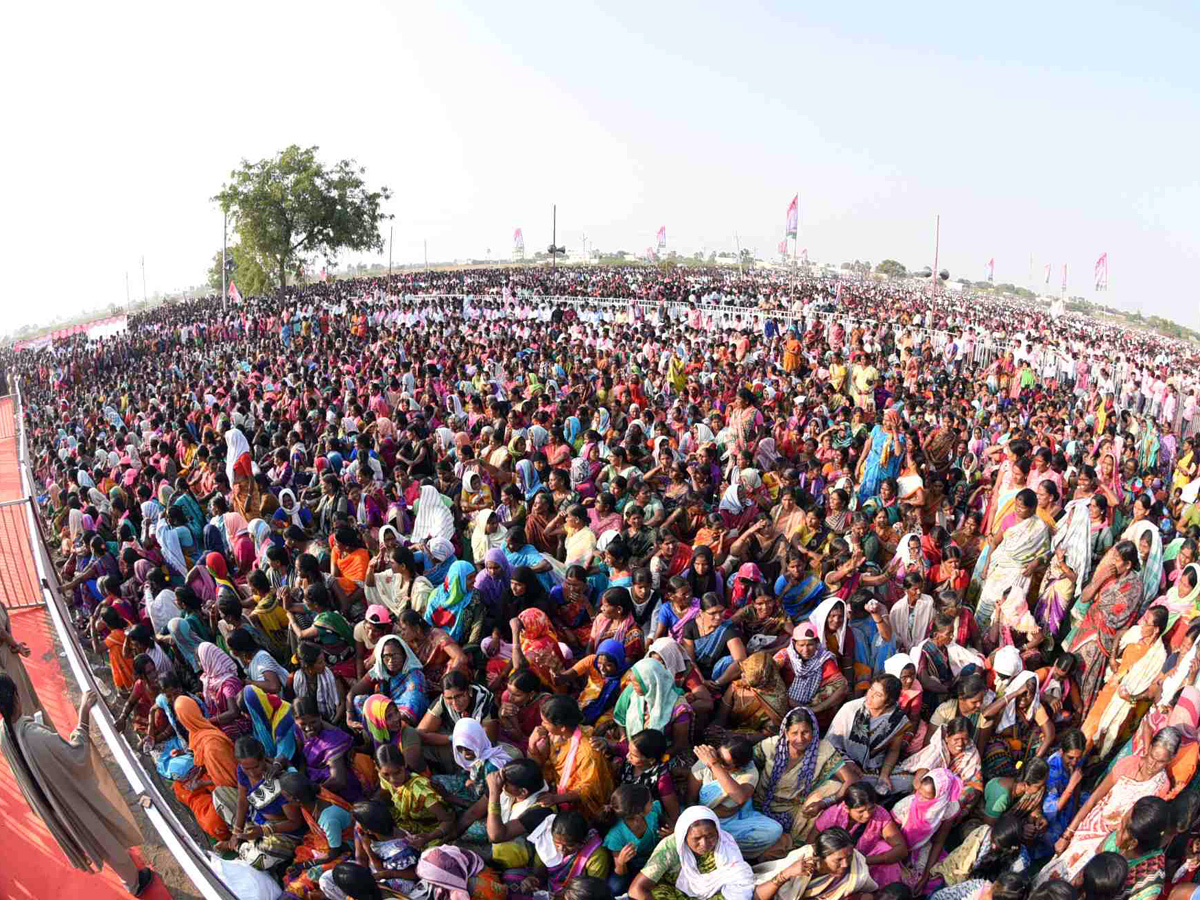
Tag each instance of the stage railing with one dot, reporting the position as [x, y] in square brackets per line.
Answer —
[190, 856]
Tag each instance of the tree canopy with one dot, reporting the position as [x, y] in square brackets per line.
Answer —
[247, 272]
[287, 209]
[891, 268]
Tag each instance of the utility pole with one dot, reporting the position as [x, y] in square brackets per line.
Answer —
[554, 242]
[737, 241]
[143, 278]
[937, 243]
[391, 236]
[426, 242]
[126, 287]
[225, 260]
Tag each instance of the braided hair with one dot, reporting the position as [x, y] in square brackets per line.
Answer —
[782, 751]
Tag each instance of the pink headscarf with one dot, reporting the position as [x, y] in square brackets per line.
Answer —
[925, 816]
[449, 870]
[1185, 715]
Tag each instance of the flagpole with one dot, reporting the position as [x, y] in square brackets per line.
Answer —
[391, 236]
[796, 246]
[143, 279]
[738, 243]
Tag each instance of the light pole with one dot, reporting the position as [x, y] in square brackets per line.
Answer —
[224, 259]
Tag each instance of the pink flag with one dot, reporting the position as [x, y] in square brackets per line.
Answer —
[793, 217]
[804, 254]
[991, 267]
[783, 247]
[233, 293]
[518, 240]
[662, 236]
[324, 274]
[1102, 272]
[1047, 273]
[649, 254]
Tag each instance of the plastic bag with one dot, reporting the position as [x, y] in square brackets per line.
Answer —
[246, 883]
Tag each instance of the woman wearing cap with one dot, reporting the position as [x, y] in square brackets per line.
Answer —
[812, 674]
[374, 627]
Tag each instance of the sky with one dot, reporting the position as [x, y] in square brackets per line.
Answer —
[1058, 131]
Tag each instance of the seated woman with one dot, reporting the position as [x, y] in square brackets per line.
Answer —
[616, 622]
[1022, 728]
[812, 675]
[872, 731]
[266, 826]
[762, 621]
[1021, 796]
[951, 746]
[648, 765]
[687, 676]
[635, 834]
[417, 808]
[756, 702]
[877, 836]
[396, 673]
[925, 817]
[222, 690]
[698, 862]
[476, 757]
[988, 854]
[454, 608]
[452, 873]
[459, 699]
[328, 840]
[652, 701]
[521, 708]
[799, 776]
[378, 842]
[214, 768]
[970, 693]
[536, 646]
[436, 651]
[579, 772]
[329, 629]
[565, 846]
[1142, 654]
[1184, 717]
[387, 723]
[724, 780]
[313, 680]
[798, 589]
[329, 755]
[830, 868]
[597, 680]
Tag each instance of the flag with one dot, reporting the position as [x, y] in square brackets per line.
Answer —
[324, 276]
[233, 293]
[518, 240]
[804, 254]
[1064, 276]
[649, 254]
[1102, 272]
[783, 247]
[793, 217]
[991, 268]
[1047, 273]
[662, 236]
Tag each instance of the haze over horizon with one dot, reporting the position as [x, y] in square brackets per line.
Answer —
[1060, 131]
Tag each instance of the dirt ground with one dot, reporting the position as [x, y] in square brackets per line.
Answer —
[157, 856]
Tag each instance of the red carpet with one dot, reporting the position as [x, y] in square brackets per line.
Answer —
[34, 866]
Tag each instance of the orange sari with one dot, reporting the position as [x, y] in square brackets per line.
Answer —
[575, 765]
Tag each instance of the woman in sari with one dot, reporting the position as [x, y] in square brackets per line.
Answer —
[616, 622]
[349, 560]
[876, 835]
[756, 702]
[565, 846]
[1142, 656]
[536, 646]
[1072, 559]
[329, 755]
[215, 767]
[811, 673]
[951, 746]
[456, 874]
[924, 817]
[800, 776]
[437, 653]
[1180, 603]
[831, 619]
[830, 868]
[395, 673]
[1148, 539]
[798, 590]
[244, 492]
[328, 841]
[1115, 607]
[1015, 555]
[1184, 716]
[450, 607]
[715, 644]
[699, 861]
[569, 760]
[1132, 779]
[600, 674]
[274, 726]
[652, 701]
[872, 730]
[222, 688]
[882, 455]
[1023, 728]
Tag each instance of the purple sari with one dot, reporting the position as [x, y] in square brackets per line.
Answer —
[319, 754]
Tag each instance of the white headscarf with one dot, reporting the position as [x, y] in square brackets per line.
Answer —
[235, 445]
[1014, 688]
[469, 733]
[896, 663]
[433, 519]
[821, 613]
[669, 652]
[732, 877]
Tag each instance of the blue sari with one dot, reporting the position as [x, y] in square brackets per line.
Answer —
[614, 650]
[874, 472]
[707, 647]
[801, 599]
[530, 556]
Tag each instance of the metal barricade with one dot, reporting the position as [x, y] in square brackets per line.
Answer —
[19, 588]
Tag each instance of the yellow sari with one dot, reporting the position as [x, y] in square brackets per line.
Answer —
[575, 765]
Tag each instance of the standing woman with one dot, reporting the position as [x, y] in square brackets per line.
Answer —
[882, 456]
[1115, 607]
[11, 652]
[70, 790]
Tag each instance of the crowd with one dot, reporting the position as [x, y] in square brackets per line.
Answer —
[471, 584]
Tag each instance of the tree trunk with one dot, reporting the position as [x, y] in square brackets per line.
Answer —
[282, 275]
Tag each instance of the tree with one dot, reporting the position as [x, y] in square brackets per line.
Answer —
[891, 269]
[293, 206]
[248, 273]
